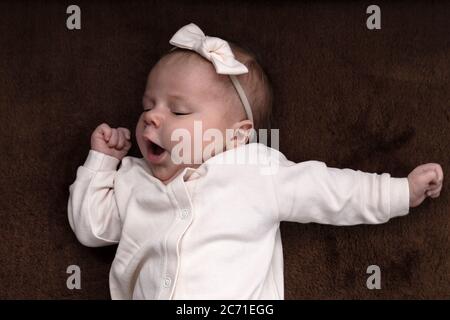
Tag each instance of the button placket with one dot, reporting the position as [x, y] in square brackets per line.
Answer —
[167, 281]
[184, 213]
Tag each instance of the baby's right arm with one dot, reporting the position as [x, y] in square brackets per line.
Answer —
[92, 209]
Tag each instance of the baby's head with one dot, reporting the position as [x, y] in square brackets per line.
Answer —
[184, 97]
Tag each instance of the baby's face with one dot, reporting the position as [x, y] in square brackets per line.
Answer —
[180, 91]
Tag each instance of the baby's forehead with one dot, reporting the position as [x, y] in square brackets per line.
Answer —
[188, 70]
[191, 62]
[185, 56]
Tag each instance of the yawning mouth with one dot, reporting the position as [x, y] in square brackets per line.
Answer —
[156, 149]
[156, 153]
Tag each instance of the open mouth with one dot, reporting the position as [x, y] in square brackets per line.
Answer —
[156, 149]
[156, 153]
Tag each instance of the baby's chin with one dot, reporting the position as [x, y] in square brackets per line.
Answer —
[169, 168]
[163, 173]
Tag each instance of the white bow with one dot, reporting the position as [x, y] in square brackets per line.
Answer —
[214, 49]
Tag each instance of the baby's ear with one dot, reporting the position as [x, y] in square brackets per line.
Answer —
[242, 131]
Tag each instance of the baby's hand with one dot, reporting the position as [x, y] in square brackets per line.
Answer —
[113, 142]
[425, 180]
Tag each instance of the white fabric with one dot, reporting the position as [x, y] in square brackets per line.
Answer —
[246, 104]
[214, 49]
[217, 51]
[213, 232]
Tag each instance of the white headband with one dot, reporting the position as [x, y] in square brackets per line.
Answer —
[217, 51]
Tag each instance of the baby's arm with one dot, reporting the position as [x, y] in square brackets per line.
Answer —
[312, 192]
[92, 209]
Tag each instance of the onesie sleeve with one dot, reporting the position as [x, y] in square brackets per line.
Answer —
[312, 192]
[92, 209]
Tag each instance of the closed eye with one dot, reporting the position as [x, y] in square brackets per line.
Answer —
[173, 112]
[180, 113]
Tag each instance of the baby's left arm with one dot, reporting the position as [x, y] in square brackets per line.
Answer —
[425, 180]
[312, 192]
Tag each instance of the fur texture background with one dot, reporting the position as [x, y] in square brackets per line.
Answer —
[376, 101]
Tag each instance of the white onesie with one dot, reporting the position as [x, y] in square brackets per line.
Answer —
[213, 232]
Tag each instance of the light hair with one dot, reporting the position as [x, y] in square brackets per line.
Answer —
[256, 85]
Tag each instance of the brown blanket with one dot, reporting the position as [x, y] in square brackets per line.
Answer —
[376, 101]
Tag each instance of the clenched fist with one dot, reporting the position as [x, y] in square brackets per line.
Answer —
[111, 141]
[425, 180]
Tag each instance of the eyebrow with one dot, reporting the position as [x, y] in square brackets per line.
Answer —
[173, 96]
[178, 97]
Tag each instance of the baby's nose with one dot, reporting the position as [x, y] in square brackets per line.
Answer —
[153, 118]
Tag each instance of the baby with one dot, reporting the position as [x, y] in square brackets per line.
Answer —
[191, 223]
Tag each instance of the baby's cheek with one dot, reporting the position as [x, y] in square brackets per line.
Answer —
[195, 141]
[139, 126]
[139, 138]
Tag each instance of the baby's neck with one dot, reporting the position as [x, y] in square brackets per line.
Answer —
[167, 181]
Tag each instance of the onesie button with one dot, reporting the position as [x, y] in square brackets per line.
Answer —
[184, 213]
[167, 282]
